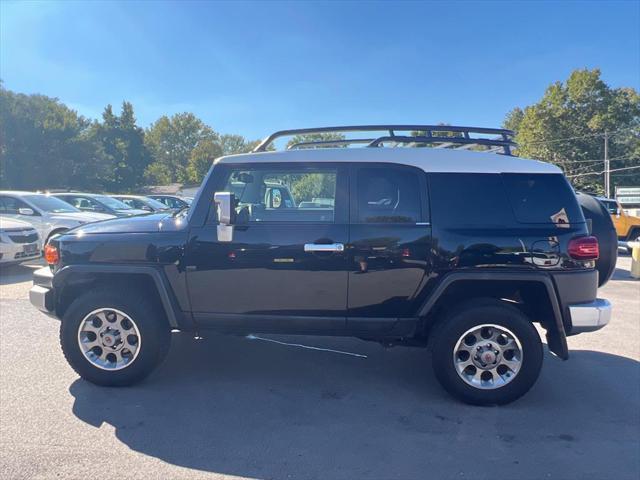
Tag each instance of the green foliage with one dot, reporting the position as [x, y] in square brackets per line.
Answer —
[567, 127]
[201, 159]
[121, 149]
[317, 137]
[171, 141]
[305, 188]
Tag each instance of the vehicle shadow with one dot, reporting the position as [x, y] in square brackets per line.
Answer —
[623, 275]
[248, 408]
[11, 274]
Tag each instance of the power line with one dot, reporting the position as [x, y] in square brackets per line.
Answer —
[591, 135]
[600, 173]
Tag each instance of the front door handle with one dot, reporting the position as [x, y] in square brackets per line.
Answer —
[324, 247]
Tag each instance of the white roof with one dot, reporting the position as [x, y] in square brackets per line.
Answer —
[439, 160]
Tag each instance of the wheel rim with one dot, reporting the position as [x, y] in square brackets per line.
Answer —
[488, 356]
[109, 339]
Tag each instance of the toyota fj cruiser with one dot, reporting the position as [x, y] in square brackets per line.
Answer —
[460, 246]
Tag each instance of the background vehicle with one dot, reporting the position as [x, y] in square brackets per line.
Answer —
[92, 202]
[47, 214]
[461, 249]
[627, 226]
[173, 201]
[19, 241]
[140, 202]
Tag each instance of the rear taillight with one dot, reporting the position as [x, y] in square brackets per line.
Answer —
[584, 248]
[51, 255]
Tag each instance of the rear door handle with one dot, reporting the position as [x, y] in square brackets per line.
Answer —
[324, 247]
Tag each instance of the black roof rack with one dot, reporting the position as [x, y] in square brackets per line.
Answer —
[439, 136]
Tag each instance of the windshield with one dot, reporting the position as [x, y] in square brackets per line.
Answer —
[50, 204]
[155, 204]
[112, 202]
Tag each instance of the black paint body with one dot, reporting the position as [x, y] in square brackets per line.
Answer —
[264, 281]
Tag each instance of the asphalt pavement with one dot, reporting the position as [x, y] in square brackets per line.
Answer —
[231, 407]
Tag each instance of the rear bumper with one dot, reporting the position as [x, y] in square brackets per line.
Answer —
[42, 294]
[589, 317]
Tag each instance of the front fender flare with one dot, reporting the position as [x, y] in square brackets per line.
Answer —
[175, 316]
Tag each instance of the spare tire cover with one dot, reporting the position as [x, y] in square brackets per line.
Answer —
[603, 229]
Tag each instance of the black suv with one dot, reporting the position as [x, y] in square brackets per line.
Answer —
[460, 246]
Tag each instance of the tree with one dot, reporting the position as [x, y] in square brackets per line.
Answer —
[567, 127]
[171, 141]
[317, 137]
[121, 144]
[201, 159]
[44, 144]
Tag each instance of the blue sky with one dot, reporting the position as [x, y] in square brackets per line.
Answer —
[252, 68]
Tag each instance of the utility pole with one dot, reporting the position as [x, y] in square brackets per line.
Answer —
[607, 174]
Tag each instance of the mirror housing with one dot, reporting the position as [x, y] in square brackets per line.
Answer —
[26, 211]
[225, 207]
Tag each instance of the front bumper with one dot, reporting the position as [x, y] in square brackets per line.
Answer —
[589, 317]
[42, 295]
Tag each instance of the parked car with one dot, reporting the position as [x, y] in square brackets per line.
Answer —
[627, 226]
[173, 201]
[47, 214]
[93, 202]
[19, 241]
[140, 202]
[461, 250]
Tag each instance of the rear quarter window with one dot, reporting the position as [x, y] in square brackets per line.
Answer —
[469, 200]
[542, 198]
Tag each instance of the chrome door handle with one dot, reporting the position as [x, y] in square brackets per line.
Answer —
[324, 247]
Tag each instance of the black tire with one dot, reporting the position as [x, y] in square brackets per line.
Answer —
[464, 318]
[149, 319]
[604, 230]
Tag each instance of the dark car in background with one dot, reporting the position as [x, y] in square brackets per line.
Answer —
[173, 201]
[93, 202]
[141, 202]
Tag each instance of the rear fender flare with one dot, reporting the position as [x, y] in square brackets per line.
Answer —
[559, 347]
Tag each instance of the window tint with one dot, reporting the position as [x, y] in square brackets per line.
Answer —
[469, 200]
[10, 205]
[542, 198]
[283, 195]
[388, 195]
[83, 203]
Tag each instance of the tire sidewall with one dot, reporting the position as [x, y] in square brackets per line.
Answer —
[466, 318]
[153, 330]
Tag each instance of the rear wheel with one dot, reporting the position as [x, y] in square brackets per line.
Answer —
[114, 337]
[486, 352]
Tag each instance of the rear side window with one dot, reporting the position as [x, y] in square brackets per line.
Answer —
[388, 195]
[469, 200]
[542, 198]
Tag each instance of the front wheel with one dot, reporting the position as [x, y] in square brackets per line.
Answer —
[114, 337]
[486, 352]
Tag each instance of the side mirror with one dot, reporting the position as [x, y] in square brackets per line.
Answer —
[225, 202]
[26, 211]
[147, 208]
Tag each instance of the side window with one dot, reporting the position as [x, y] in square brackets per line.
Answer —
[10, 205]
[469, 200]
[388, 195]
[542, 198]
[82, 203]
[286, 195]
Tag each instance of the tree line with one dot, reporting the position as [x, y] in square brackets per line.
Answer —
[46, 145]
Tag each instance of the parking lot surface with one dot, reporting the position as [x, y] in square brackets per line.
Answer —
[240, 408]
